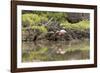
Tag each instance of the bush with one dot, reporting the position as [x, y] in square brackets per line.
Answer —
[40, 28]
[82, 25]
[32, 19]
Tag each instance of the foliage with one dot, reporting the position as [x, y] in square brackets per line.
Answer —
[32, 19]
[60, 17]
[37, 19]
[82, 25]
[40, 28]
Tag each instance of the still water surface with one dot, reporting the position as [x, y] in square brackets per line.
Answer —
[55, 50]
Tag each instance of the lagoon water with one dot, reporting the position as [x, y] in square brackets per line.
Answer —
[55, 50]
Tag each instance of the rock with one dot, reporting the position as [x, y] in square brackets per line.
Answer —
[76, 17]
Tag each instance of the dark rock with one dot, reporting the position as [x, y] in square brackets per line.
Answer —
[76, 17]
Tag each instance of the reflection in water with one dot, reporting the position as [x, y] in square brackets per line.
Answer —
[55, 51]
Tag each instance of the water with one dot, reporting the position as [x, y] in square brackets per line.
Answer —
[55, 50]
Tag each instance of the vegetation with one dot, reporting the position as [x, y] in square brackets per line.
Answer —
[82, 25]
[47, 22]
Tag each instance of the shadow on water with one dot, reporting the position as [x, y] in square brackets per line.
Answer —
[55, 51]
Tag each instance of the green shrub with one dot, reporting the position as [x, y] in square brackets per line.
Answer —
[82, 25]
[40, 28]
[32, 19]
